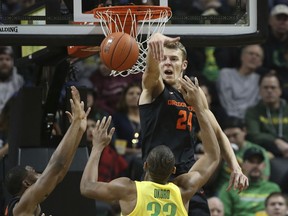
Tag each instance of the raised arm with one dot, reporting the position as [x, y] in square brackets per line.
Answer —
[237, 179]
[90, 186]
[202, 170]
[152, 83]
[59, 162]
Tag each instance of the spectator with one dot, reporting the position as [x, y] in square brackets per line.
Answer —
[10, 7]
[128, 131]
[238, 88]
[216, 206]
[276, 204]
[235, 130]
[199, 7]
[10, 80]
[281, 71]
[111, 165]
[213, 101]
[233, 5]
[250, 201]
[96, 113]
[127, 119]
[108, 88]
[278, 36]
[267, 123]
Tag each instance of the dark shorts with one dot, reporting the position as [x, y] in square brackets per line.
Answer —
[198, 205]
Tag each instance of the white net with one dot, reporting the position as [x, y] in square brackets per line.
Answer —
[141, 27]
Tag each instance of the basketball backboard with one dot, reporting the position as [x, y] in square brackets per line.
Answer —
[69, 22]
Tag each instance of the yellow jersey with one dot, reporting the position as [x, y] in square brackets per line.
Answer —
[158, 200]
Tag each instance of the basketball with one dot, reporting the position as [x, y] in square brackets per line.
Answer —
[119, 51]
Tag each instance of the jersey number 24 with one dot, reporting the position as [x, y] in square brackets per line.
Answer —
[184, 120]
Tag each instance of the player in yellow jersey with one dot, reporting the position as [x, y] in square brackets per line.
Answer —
[154, 196]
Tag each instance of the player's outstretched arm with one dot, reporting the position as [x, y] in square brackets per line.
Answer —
[202, 170]
[152, 83]
[59, 162]
[237, 179]
[90, 186]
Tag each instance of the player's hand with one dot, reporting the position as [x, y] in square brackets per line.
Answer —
[156, 45]
[101, 136]
[77, 109]
[238, 181]
[191, 92]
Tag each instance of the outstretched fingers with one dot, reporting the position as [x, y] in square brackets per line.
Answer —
[101, 136]
[97, 125]
[157, 49]
[69, 115]
[87, 112]
[156, 45]
[105, 124]
[75, 94]
[187, 84]
[111, 132]
[174, 39]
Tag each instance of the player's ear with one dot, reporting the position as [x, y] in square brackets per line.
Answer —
[174, 170]
[184, 65]
[145, 166]
[26, 183]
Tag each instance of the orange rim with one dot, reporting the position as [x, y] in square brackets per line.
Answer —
[139, 10]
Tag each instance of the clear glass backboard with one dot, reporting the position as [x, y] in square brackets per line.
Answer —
[71, 22]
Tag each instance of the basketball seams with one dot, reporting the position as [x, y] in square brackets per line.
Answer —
[127, 54]
[117, 44]
[119, 51]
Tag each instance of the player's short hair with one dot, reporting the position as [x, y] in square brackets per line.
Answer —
[161, 162]
[14, 179]
[177, 45]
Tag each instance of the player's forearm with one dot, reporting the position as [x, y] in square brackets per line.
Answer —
[152, 72]
[210, 160]
[209, 140]
[62, 157]
[227, 152]
[224, 143]
[91, 172]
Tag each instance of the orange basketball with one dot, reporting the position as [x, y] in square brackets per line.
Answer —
[119, 51]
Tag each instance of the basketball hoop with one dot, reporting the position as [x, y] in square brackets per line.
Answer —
[136, 20]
